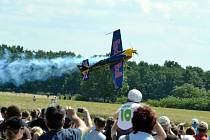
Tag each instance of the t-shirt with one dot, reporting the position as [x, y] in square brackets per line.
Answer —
[95, 135]
[201, 137]
[138, 136]
[187, 137]
[62, 134]
[125, 115]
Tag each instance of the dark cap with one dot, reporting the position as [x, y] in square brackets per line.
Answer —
[14, 123]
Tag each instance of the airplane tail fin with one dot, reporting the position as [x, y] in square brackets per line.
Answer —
[84, 69]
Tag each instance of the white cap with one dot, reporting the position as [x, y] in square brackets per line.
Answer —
[195, 121]
[134, 95]
[164, 121]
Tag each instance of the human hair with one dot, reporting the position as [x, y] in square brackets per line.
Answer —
[11, 133]
[12, 127]
[143, 119]
[100, 122]
[202, 130]
[190, 131]
[13, 110]
[25, 114]
[3, 109]
[55, 118]
[34, 113]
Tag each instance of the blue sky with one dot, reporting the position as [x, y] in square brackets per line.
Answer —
[160, 30]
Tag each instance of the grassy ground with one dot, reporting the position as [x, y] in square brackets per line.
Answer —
[24, 101]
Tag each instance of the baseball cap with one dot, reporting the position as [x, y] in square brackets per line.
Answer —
[134, 95]
[164, 121]
[195, 121]
[14, 123]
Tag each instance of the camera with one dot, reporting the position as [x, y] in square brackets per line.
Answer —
[80, 110]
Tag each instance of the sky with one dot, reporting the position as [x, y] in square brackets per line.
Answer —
[176, 30]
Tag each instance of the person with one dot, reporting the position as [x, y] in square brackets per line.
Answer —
[125, 112]
[166, 124]
[55, 123]
[189, 134]
[195, 123]
[34, 99]
[36, 132]
[14, 128]
[39, 121]
[25, 117]
[144, 123]
[97, 133]
[14, 111]
[109, 124]
[202, 130]
[3, 113]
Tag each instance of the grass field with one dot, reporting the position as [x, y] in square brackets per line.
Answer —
[24, 101]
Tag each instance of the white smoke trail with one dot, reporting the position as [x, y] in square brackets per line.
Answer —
[22, 69]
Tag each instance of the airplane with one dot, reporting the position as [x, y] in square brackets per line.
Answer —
[116, 60]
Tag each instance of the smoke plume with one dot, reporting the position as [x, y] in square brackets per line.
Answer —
[22, 69]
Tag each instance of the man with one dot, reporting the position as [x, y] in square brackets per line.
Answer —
[97, 132]
[166, 124]
[202, 131]
[125, 112]
[195, 123]
[14, 111]
[55, 122]
[144, 123]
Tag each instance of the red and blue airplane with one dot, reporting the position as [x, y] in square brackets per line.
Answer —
[115, 61]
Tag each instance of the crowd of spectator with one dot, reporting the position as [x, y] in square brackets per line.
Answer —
[132, 121]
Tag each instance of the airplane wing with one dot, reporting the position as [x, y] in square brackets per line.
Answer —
[117, 69]
[117, 74]
[116, 43]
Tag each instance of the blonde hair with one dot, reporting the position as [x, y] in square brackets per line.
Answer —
[36, 132]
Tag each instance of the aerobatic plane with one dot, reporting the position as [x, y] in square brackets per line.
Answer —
[116, 60]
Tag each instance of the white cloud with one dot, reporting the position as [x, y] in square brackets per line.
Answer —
[168, 7]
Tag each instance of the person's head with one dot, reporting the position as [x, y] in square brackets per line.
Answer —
[190, 131]
[68, 122]
[195, 123]
[13, 111]
[134, 95]
[202, 127]
[109, 122]
[36, 132]
[54, 118]
[34, 114]
[144, 119]
[165, 123]
[100, 123]
[3, 112]
[25, 115]
[14, 128]
[43, 113]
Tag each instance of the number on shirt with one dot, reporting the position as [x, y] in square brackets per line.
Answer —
[126, 114]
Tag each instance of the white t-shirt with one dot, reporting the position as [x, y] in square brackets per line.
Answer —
[138, 136]
[187, 137]
[125, 114]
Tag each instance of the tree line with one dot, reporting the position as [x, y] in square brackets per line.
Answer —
[166, 85]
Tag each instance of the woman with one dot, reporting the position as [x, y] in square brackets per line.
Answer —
[14, 128]
[144, 123]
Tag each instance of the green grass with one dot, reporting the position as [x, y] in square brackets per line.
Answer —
[24, 101]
